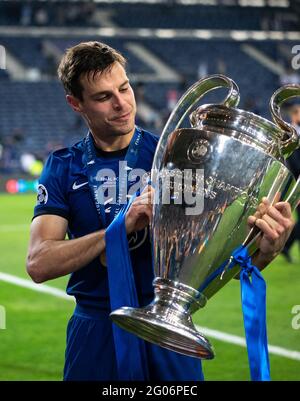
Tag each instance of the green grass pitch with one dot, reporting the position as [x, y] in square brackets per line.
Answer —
[32, 345]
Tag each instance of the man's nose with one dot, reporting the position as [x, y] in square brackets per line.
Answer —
[118, 102]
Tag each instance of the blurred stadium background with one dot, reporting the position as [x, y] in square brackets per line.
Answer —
[169, 44]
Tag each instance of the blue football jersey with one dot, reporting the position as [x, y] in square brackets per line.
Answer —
[64, 191]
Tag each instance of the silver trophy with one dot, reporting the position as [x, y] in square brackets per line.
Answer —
[242, 157]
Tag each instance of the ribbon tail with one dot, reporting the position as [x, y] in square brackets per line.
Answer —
[260, 289]
[130, 350]
[253, 295]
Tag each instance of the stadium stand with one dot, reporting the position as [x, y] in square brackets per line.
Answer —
[166, 14]
[33, 104]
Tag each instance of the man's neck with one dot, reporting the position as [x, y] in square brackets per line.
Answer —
[112, 143]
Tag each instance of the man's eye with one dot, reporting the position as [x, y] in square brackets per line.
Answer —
[124, 89]
[101, 99]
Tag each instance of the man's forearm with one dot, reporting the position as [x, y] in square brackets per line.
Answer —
[51, 259]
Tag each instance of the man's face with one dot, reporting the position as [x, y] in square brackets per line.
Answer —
[108, 104]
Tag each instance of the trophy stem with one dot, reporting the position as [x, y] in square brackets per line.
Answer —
[167, 320]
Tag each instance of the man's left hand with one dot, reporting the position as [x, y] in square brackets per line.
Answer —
[276, 224]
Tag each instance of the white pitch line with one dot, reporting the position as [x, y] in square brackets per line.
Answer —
[218, 335]
[236, 340]
[46, 289]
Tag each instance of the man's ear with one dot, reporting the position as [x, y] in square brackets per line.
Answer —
[74, 103]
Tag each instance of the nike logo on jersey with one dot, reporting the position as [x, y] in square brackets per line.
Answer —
[108, 201]
[76, 186]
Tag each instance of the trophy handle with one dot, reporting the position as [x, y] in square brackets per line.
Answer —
[189, 99]
[294, 196]
[283, 94]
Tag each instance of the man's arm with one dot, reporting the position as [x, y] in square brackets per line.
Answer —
[51, 256]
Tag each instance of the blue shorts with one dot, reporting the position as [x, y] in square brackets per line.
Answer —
[90, 353]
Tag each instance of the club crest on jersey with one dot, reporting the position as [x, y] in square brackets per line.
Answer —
[42, 195]
[137, 238]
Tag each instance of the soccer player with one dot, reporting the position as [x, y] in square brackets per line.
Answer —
[97, 87]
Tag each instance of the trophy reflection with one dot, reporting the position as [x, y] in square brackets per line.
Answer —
[227, 161]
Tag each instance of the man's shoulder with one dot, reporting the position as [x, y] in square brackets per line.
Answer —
[65, 159]
[69, 152]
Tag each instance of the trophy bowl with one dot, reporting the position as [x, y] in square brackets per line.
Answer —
[208, 179]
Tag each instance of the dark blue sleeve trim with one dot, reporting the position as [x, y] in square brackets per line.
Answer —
[51, 210]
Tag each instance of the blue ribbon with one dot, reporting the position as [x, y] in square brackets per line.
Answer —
[253, 296]
[130, 350]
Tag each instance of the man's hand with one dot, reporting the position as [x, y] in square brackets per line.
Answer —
[139, 214]
[276, 224]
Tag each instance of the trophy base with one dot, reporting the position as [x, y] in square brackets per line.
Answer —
[167, 320]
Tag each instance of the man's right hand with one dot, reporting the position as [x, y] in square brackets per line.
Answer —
[139, 214]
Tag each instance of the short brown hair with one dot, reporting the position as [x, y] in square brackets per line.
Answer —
[84, 58]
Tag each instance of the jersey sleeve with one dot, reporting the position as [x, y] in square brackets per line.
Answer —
[51, 191]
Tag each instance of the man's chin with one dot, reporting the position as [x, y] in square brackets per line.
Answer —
[124, 129]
